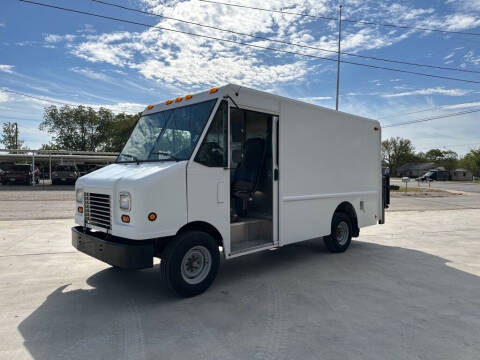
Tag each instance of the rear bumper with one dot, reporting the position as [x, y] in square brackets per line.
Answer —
[114, 252]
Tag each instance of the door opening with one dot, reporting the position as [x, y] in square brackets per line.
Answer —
[251, 180]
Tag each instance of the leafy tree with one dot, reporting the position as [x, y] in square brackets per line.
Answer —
[85, 129]
[434, 155]
[76, 128]
[471, 161]
[446, 158]
[8, 136]
[119, 130]
[396, 152]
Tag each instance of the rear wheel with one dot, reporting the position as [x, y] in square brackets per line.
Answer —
[190, 263]
[341, 233]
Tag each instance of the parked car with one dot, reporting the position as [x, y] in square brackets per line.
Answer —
[19, 174]
[435, 175]
[83, 169]
[64, 174]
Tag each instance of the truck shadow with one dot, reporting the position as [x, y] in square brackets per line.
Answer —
[294, 302]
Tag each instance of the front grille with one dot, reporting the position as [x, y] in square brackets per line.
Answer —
[98, 210]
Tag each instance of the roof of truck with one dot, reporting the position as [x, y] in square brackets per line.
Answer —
[232, 90]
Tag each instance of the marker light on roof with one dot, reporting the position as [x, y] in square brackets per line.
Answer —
[168, 102]
[188, 97]
[149, 107]
[213, 90]
[178, 99]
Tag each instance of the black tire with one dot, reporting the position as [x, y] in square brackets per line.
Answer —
[338, 241]
[173, 256]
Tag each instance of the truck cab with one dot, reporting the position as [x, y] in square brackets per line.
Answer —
[200, 177]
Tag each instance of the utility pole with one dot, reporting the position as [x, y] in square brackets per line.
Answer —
[338, 55]
[16, 136]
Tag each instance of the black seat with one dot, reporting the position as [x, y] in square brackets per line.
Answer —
[247, 174]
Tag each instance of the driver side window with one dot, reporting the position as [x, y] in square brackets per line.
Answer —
[214, 149]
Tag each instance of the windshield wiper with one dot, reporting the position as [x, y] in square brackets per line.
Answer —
[173, 157]
[134, 158]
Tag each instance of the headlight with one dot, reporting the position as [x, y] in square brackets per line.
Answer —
[79, 195]
[125, 201]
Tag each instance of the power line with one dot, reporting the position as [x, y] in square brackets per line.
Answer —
[346, 20]
[35, 97]
[425, 110]
[416, 121]
[451, 146]
[250, 45]
[287, 42]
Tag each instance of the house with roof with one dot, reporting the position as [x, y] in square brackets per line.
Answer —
[462, 174]
[415, 169]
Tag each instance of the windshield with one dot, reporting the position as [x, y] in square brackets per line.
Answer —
[167, 135]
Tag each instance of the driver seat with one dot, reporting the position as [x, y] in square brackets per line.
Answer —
[247, 174]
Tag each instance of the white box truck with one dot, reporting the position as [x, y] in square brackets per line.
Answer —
[230, 171]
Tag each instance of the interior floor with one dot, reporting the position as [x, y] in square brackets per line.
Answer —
[250, 232]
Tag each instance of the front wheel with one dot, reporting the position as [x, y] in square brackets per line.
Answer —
[341, 233]
[190, 263]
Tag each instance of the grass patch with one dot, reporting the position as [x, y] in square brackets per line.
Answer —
[417, 189]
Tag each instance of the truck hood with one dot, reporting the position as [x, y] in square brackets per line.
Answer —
[126, 174]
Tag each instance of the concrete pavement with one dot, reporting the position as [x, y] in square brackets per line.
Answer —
[409, 289]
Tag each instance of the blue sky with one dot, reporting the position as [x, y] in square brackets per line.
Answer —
[78, 59]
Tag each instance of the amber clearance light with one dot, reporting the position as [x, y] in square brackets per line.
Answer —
[213, 90]
[152, 216]
[149, 107]
[126, 218]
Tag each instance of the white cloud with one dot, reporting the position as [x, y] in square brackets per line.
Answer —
[313, 99]
[56, 38]
[87, 28]
[6, 68]
[3, 97]
[430, 91]
[90, 74]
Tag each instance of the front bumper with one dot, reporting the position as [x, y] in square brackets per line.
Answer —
[113, 250]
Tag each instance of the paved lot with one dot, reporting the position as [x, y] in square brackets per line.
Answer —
[409, 289]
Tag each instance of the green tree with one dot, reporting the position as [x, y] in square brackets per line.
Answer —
[10, 136]
[446, 158]
[119, 130]
[471, 161]
[76, 128]
[396, 152]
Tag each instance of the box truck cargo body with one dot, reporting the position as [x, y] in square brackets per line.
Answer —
[230, 171]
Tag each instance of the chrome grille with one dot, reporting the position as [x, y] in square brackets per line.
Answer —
[97, 210]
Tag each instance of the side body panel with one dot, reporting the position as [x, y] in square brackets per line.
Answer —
[326, 158]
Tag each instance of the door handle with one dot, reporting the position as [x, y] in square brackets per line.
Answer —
[275, 174]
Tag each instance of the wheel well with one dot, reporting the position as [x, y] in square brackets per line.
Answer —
[348, 209]
[205, 227]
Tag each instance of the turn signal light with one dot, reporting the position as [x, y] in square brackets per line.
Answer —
[188, 97]
[80, 209]
[213, 90]
[152, 216]
[168, 102]
[149, 107]
[126, 218]
[178, 99]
